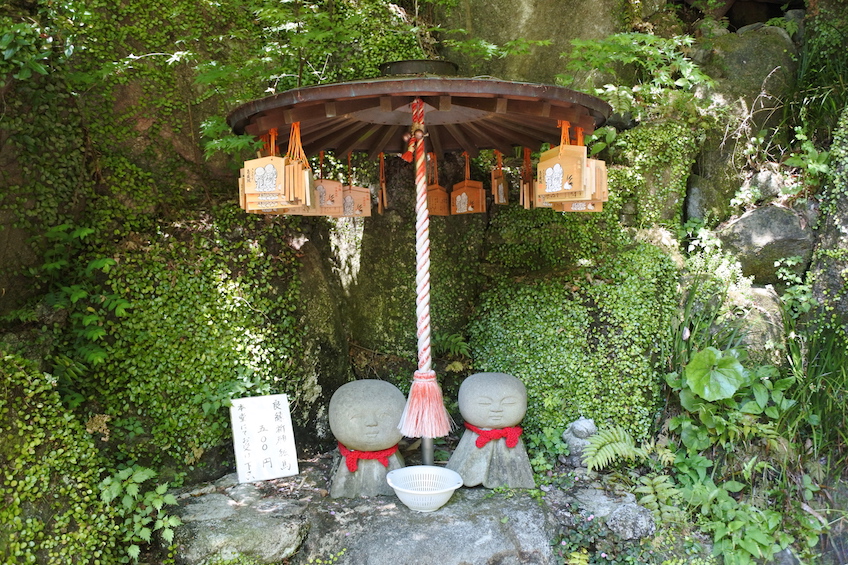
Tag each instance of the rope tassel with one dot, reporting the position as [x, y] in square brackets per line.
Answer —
[425, 414]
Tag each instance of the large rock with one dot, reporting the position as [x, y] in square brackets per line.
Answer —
[763, 236]
[235, 521]
[294, 517]
[753, 72]
[501, 21]
[631, 521]
[764, 335]
[829, 269]
[474, 528]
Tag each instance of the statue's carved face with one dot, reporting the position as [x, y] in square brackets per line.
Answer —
[492, 400]
[364, 415]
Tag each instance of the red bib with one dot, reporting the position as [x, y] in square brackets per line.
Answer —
[511, 435]
[352, 457]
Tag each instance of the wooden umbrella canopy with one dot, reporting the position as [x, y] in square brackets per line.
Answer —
[463, 114]
[401, 115]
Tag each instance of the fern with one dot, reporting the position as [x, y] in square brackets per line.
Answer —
[609, 445]
[658, 494]
[658, 450]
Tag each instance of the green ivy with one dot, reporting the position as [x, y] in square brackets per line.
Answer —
[51, 510]
[584, 342]
[659, 157]
[213, 317]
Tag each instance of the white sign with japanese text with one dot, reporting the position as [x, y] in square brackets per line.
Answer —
[263, 438]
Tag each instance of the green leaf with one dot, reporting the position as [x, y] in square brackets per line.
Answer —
[714, 376]
[142, 474]
[134, 551]
[751, 407]
[127, 501]
[132, 490]
[784, 384]
[689, 401]
[733, 486]
[761, 394]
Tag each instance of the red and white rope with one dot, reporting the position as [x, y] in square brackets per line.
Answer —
[422, 250]
[425, 415]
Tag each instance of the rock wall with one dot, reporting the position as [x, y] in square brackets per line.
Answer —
[829, 270]
[500, 22]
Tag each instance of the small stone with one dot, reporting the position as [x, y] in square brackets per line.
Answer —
[631, 521]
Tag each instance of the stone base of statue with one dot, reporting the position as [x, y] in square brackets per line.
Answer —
[493, 465]
[369, 479]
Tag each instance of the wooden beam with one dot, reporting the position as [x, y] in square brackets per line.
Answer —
[462, 140]
[494, 136]
[389, 133]
[434, 135]
[353, 142]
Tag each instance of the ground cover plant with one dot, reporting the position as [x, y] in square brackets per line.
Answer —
[155, 300]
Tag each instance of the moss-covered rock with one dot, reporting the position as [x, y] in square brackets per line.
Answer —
[829, 270]
[212, 315]
[583, 341]
[502, 22]
[52, 511]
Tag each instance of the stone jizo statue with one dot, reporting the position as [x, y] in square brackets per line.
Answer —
[364, 417]
[491, 451]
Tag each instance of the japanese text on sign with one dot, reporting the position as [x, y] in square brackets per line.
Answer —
[262, 438]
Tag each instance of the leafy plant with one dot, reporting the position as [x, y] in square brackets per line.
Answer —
[813, 163]
[142, 511]
[819, 362]
[661, 496]
[664, 78]
[545, 448]
[742, 533]
[714, 375]
[608, 445]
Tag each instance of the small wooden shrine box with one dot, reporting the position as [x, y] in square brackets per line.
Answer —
[500, 187]
[468, 197]
[598, 192]
[560, 174]
[356, 202]
[437, 200]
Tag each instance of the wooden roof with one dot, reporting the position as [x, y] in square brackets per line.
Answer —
[461, 114]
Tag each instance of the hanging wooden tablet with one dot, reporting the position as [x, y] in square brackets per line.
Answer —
[597, 194]
[539, 197]
[437, 195]
[264, 182]
[298, 173]
[601, 180]
[579, 206]
[528, 190]
[561, 171]
[596, 181]
[327, 197]
[500, 186]
[242, 199]
[356, 200]
[382, 196]
[468, 196]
